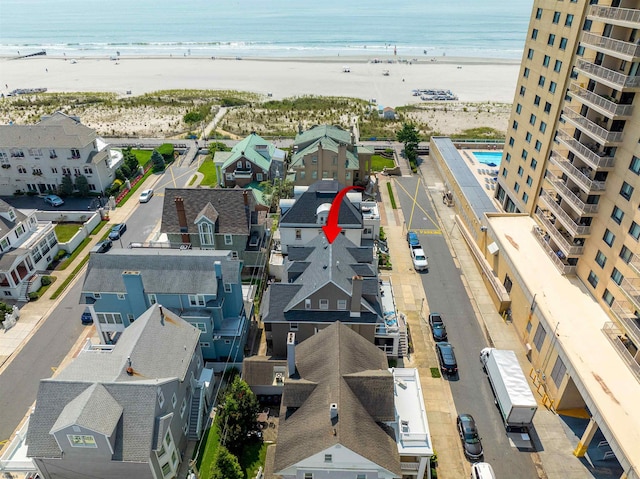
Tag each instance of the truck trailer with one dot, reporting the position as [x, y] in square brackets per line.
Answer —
[510, 388]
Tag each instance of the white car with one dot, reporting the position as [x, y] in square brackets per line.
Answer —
[145, 196]
[419, 258]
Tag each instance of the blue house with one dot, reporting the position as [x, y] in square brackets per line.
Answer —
[203, 287]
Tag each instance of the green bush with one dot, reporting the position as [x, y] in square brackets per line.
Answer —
[45, 280]
[33, 296]
[166, 150]
[435, 373]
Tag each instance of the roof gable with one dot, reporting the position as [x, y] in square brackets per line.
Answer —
[336, 133]
[255, 149]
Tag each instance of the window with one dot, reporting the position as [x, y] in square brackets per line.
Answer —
[536, 100]
[82, 440]
[525, 72]
[626, 254]
[528, 137]
[529, 180]
[314, 175]
[525, 197]
[607, 297]
[601, 259]
[196, 299]
[617, 276]
[361, 476]
[530, 54]
[538, 13]
[543, 127]
[547, 107]
[579, 50]
[558, 372]
[634, 230]
[166, 469]
[518, 108]
[522, 90]
[626, 190]
[504, 172]
[532, 119]
[608, 237]
[205, 345]
[511, 141]
[174, 400]
[109, 318]
[293, 326]
[75, 154]
[227, 287]
[324, 304]
[524, 154]
[508, 157]
[515, 125]
[568, 20]
[617, 214]
[152, 299]
[205, 229]
[516, 187]
[551, 40]
[552, 87]
[538, 146]
[541, 80]
[545, 61]
[529, 326]
[558, 66]
[556, 17]
[259, 176]
[534, 34]
[201, 326]
[342, 304]
[183, 407]
[592, 279]
[298, 234]
[563, 43]
[328, 458]
[308, 475]
[160, 397]
[538, 338]
[228, 239]
[520, 171]
[635, 165]
[121, 296]
[534, 164]
[307, 303]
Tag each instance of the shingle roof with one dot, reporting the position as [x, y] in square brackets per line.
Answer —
[258, 370]
[255, 149]
[351, 372]
[6, 225]
[162, 270]
[303, 211]
[324, 143]
[336, 133]
[149, 341]
[56, 131]
[233, 216]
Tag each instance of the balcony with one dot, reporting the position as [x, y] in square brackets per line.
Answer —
[561, 239]
[578, 176]
[592, 129]
[629, 321]
[410, 467]
[607, 77]
[631, 288]
[589, 156]
[609, 46]
[569, 196]
[567, 221]
[563, 267]
[600, 104]
[635, 263]
[624, 17]
[616, 337]
[242, 173]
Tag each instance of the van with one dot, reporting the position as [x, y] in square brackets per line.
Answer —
[482, 470]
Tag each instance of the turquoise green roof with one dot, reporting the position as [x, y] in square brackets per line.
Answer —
[248, 148]
[331, 131]
[327, 144]
[258, 193]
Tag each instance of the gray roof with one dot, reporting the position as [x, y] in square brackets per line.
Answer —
[303, 211]
[6, 225]
[472, 190]
[155, 336]
[322, 265]
[162, 270]
[351, 372]
[81, 411]
[233, 216]
[258, 370]
[336, 133]
[55, 131]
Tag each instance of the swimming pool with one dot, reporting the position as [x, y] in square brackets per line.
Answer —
[487, 157]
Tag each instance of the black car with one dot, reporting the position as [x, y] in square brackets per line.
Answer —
[102, 246]
[438, 329]
[446, 358]
[86, 318]
[469, 436]
[117, 231]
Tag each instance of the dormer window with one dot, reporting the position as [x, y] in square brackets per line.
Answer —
[84, 440]
[12, 215]
[75, 153]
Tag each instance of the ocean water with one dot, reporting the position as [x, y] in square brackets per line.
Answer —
[265, 28]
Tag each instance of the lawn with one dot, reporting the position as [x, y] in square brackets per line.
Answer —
[208, 169]
[207, 452]
[66, 231]
[378, 163]
[143, 156]
[252, 457]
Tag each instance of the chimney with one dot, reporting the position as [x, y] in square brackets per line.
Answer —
[356, 296]
[333, 411]
[291, 353]
[217, 265]
[245, 196]
[129, 368]
[182, 219]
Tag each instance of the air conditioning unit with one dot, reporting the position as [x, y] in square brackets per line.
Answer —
[279, 377]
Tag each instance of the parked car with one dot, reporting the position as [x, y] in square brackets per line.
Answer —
[53, 200]
[412, 238]
[419, 259]
[469, 436]
[446, 358]
[438, 329]
[482, 470]
[117, 231]
[86, 318]
[102, 246]
[145, 196]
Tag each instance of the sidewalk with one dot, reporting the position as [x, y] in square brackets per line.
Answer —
[32, 313]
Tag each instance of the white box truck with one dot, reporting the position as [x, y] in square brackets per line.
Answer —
[510, 388]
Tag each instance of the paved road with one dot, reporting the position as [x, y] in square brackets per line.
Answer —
[57, 334]
[446, 294]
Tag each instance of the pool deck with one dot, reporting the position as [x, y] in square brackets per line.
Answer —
[483, 173]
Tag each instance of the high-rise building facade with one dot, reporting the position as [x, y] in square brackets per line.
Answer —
[572, 153]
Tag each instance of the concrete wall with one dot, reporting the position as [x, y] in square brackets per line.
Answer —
[90, 221]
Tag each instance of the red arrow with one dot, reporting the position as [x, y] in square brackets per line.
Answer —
[331, 229]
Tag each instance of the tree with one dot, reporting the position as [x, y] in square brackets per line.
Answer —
[82, 185]
[157, 160]
[237, 415]
[408, 135]
[167, 151]
[66, 186]
[193, 117]
[130, 159]
[277, 189]
[226, 466]
[217, 146]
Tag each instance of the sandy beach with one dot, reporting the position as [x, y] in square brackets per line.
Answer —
[472, 80]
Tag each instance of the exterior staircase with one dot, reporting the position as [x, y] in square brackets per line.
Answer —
[23, 296]
[403, 343]
[195, 414]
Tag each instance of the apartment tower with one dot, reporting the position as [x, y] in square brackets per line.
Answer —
[572, 154]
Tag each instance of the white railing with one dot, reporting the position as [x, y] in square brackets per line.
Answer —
[631, 287]
[622, 310]
[610, 44]
[613, 333]
[634, 262]
[558, 238]
[563, 216]
[613, 13]
[567, 167]
[562, 267]
[586, 154]
[607, 76]
[599, 102]
[569, 195]
[589, 126]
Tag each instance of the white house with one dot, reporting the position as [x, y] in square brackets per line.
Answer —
[37, 157]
